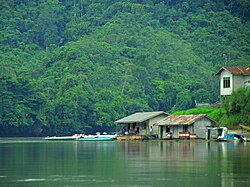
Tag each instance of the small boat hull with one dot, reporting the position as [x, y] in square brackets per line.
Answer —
[63, 138]
[95, 139]
[232, 137]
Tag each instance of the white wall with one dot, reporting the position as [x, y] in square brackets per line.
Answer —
[236, 81]
[226, 91]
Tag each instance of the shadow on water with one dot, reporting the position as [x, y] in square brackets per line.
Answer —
[128, 163]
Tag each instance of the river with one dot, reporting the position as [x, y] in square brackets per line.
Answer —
[35, 162]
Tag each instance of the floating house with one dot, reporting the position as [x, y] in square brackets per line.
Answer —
[140, 124]
[184, 126]
[233, 77]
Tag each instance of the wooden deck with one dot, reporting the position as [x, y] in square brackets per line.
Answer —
[130, 137]
[137, 137]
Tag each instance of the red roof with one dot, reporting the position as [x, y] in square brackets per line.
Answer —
[236, 70]
[183, 119]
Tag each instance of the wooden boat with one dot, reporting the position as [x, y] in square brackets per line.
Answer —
[57, 138]
[97, 138]
[232, 137]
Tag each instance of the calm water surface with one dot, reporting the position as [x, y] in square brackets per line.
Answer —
[34, 162]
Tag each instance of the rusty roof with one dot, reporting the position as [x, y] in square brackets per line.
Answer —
[236, 70]
[139, 117]
[182, 119]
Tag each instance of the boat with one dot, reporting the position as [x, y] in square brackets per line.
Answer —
[232, 137]
[72, 137]
[98, 137]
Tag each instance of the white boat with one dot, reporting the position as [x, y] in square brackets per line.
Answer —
[73, 137]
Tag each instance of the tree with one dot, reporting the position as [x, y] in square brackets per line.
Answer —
[238, 104]
[50, 24]
[183, 101]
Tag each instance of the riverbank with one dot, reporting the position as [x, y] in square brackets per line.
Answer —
[240, 131]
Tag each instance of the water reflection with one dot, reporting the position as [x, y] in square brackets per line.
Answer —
[128, 163]
[191, 161]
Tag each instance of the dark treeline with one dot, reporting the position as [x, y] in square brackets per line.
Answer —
[70, 66]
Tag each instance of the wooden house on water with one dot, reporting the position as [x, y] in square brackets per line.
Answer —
[184, 126]
[139, 125]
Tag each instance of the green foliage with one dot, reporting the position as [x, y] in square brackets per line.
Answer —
[215, 113]
[238, 107]
[233, 120]
[73, 66]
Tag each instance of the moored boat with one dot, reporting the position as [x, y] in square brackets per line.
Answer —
[232, 137]
[97, 138]
[57, 138]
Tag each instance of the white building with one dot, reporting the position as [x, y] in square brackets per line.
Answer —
[231, 78]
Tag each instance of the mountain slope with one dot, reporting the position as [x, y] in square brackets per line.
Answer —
[76, 66]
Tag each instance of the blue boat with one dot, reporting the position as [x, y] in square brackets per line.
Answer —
[97, 138]
[232, 137]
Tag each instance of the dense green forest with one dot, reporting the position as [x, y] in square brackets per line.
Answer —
[70, 66]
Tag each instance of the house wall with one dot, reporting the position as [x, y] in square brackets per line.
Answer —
[174, 129]
[238, 81]
[142, 130]
[154, 120]
[226, 91]
[200, 127]
[162, 134]
[247, 80]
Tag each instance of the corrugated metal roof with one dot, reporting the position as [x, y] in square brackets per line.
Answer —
[182, 119]
[139, 117]
[236, 70]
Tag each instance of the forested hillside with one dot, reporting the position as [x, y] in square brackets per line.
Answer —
[71, 66]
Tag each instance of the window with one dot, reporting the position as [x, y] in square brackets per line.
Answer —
[167, 129]
[226, 82]
[185, 128]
